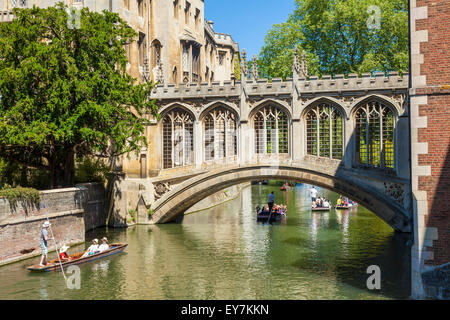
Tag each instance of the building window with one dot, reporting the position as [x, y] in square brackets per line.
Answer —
[178, 141]
[195, 63]
[375, 124]
[126, 4]
[142, 48]
[271, 131]
[187, 12]
[220, 134]
[175, 9]
[185, 59]
[197, 18]
[222, 55]
[324, 132]
[140, 8]
[175, 75]
[18, 3]
[156, 54]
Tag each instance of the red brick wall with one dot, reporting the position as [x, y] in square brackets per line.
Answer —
[436, 67]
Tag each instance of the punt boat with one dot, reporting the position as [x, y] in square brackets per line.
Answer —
[53, 265]
[345, 207]
[321, 208]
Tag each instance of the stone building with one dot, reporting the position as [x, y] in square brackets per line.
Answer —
[175, 43]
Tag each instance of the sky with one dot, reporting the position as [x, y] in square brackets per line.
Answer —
[247, 21]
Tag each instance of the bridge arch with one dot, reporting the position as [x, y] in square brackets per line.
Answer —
[175, 202]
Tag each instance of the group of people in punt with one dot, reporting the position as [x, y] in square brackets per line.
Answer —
[344, 201]
[63, 256]
[318, 202]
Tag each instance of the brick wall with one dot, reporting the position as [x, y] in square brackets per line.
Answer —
[436, 68]
[430, 141]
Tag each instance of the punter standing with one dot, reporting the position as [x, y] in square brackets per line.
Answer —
[271, 201]
[313, 193]
[44, 239]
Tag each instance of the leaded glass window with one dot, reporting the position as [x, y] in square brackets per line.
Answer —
[220, 134]
[271, 131]
[324, 132]
[375, 123]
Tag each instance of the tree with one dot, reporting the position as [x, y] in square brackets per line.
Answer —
[65, 91]
[340, 37]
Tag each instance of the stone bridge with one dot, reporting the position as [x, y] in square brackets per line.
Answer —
[346, 133]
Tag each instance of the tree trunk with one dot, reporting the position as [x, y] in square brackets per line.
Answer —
[69, 168]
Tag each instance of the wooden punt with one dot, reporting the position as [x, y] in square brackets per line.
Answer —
[345, 207]
[321, 209]
[53, 265]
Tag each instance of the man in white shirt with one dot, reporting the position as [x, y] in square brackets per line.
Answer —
[104, 246]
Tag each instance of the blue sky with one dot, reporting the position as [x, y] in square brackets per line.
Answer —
[247, 20]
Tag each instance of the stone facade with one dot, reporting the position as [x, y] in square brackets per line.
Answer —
[175, 43]
[71, 211]
[430, 140]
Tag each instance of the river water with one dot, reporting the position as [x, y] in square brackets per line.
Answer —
[223, 253]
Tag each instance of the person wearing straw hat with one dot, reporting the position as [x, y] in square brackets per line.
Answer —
[104, 246]
[92, 249]
[43, 242]
[63, 256]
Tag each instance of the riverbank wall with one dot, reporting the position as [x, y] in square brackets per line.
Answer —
[71, 211]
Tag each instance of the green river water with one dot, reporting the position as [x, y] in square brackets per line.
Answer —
[223, 253]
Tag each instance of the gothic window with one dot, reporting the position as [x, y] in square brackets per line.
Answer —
[18, 3]
[185, 63]
[222, 55]
[142, 48]
[126, 4]
[375, 135]
[271, 131]
[220, 134]
[175, 9]
[187, 12]
[178, 141]
[156, 54]
[197, 18]
[195, 63]
[140, 7]
[324, 132]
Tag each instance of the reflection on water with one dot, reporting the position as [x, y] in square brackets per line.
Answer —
[223, 253]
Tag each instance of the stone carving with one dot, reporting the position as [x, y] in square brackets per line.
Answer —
[348, 100]
[304, 68]
[295, 63]
[395, 190]
[244, 68]
[161, 188]
[254, 69]
[400, 99]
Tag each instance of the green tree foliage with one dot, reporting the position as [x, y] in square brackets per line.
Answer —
[338, 38]
[65, 91]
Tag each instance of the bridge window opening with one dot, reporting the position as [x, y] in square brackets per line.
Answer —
[178, 142]
[375, 135]
[271, 131]
[220, 134]
[324, 132]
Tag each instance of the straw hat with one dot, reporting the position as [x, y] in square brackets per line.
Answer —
[63, 248]
[46, 224]
[95, 240]
[104, 238]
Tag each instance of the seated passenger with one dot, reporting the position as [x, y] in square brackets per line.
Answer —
[104, 246]
[63, 256]
[326, 204]
[92, 249]
[339, 201]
